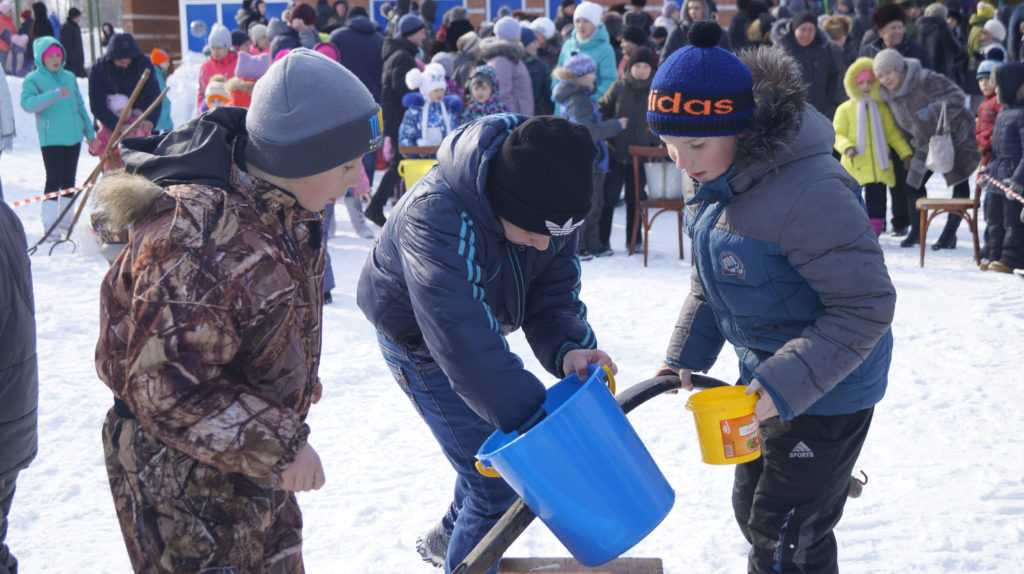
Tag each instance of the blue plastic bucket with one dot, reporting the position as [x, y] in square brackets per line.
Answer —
[584, 471]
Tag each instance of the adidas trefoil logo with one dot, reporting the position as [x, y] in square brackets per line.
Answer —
[801, 450]
[564, 229]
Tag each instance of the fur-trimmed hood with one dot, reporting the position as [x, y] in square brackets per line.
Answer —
[1009, 80]
[416, 100]
[200, 151]
[850, 80]
[493, 47]
[239, 84]
[780, 95]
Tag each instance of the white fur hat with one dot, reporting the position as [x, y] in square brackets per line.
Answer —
[996, 28]
[590, 11]
[430, 79]
[543, 26]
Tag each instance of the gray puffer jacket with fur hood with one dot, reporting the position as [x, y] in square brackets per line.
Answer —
[514, 83]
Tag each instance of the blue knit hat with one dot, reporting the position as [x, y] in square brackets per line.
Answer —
[580, 64]
[985, 68]
[701, 90]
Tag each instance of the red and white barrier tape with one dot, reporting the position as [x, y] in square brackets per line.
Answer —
[1002, 187]
[51, 195]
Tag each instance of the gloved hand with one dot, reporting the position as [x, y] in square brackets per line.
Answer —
[1016, 187]
[925, 114]
[850, 152]
[7, 143]
[906, 162]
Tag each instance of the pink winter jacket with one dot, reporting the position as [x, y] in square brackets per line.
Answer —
[515, 88]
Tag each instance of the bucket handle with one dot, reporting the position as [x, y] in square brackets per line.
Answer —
[488, 470]
[609, 378]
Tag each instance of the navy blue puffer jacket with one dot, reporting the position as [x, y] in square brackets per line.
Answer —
[443, 281]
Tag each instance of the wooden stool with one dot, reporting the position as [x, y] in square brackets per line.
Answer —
[570, 566]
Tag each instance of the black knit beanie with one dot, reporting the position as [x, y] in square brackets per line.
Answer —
[541, 178]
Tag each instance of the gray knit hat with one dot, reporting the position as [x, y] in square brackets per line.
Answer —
[220, 37]
[886, 60]
[308, 115]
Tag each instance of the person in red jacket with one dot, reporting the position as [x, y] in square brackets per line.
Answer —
[986, 124]
[987, 111]
[222, 61]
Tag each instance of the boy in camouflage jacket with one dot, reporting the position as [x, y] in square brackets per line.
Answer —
[211, 320]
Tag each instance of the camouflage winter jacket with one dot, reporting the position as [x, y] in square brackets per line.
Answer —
[211, 316]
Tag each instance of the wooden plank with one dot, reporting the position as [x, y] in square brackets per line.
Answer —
[570, 566]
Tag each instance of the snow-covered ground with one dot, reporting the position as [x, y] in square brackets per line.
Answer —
[944, 456]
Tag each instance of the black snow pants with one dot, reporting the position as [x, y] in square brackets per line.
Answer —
[788, 501]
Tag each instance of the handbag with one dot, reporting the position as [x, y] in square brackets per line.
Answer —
[940, 147]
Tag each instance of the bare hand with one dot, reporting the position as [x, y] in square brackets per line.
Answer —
[576, 361]
[765, 407]
[318, 391]
[64, 92]
[684, 376]
[363, 195]
[850, 152]
[623, 122]
[304, 473]
[298, 24]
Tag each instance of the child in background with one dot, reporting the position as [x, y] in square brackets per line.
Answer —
[51, 93]
[260, 43]
[216, 94]
[116, 103]
[540, 73]
[162, 63]
[249, 69]
[1002, 213]
[865, 129]
[240, 41]
[222, 61]
[573, 95]
[445, 59]
[483, 95]
[983, 127]
[627, 98]
[430, 115]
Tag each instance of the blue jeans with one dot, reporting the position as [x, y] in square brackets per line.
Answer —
[479, 501]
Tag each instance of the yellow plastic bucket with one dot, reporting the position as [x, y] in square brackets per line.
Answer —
[412, 170]
[726, 426]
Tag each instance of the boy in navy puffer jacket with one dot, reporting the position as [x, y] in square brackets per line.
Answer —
[504, 202]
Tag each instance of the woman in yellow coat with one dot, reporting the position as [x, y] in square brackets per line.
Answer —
[865, 129]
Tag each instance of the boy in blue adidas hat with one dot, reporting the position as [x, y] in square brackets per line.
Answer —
[788, 270]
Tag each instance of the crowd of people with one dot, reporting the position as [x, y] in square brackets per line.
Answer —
[431, 75]
[211, 324]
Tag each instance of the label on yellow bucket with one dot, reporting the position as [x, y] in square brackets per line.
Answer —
[740, 436]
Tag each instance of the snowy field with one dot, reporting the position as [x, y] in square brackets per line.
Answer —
[946, 466]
